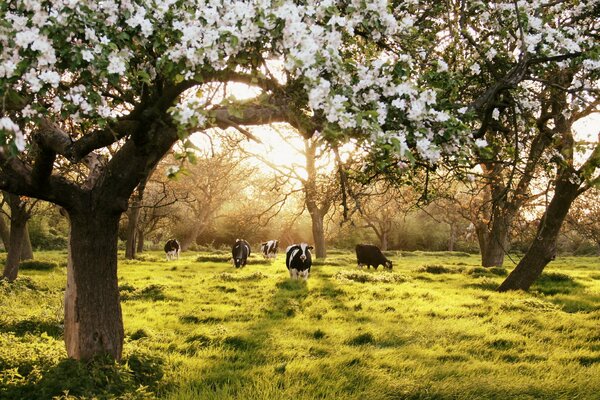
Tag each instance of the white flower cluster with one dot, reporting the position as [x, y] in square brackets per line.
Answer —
[106, 47]
[188, 113]
[7, 126]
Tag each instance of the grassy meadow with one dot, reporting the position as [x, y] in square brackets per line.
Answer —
[196, 328]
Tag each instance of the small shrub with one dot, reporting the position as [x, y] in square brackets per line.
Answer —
[588, 361]
[318, 334]
[148, 258]
[214, 258]
[126, 288]
[531, 304]
[482, 271]
[437, 269]
[139, 334]
[22, 283]
[152, 292]
[189, 319]
[554, 277]
[146, 369]
[99, 378]
[34, 326]
[230, 277]
[259, 261]
[201, 339]
[238, 343]
[363, 277]
[38, 265]
[362, 339]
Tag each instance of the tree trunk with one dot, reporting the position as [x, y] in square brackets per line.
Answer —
[140, 241]
[17, 233]
[93, 319]
[318, 232]
[132, 221]
[384, 241]
[18, 229]
[4, 232]
[26, 249]
[452, 238]
[494, 240]
[497, 242]
[190, 238]
[543, 248]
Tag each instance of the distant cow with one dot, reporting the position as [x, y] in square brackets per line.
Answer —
[298, 260]
[240, 252]
[371, 256]
[172, 248]
[269, 249]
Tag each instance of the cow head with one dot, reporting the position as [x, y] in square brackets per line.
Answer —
[304, 251]
[388, 264]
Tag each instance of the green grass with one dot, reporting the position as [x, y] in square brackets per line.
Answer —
[433, 328]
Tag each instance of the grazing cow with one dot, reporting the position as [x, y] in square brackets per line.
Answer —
[172, 248]
[269, 249]
[298, 260]
[240, 252]
[371, 256]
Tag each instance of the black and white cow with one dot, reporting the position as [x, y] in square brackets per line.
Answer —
[298, 260]
[371, 256]
[172, 248]
[240, 252]
[269, 249]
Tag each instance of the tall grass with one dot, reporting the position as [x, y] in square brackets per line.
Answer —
[433, 328]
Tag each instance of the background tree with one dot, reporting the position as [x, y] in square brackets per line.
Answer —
[19, 245]
[318, 184]
[584, 216]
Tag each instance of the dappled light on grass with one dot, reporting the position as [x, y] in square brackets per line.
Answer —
[204, 330]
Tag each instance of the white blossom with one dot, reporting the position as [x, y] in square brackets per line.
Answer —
[481, 143]
[496, 114]
[116, 64]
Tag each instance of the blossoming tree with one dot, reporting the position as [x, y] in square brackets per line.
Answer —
[92, 99]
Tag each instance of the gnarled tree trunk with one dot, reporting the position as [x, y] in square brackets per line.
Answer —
[543, 248]
[496, 242]
[93, 319]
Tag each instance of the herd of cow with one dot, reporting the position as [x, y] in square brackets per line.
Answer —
[298, 258]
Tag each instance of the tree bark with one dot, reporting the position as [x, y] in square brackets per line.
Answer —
[452, 238]
[133, 215]
[497, 242]
[384, 241]
[4, 232]
[26, 249]
[140, 241]
[543, 248]
[17, 233]
[93, 319]
[18, 229]
[318, 232]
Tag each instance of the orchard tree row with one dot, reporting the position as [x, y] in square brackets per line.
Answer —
[94, 94]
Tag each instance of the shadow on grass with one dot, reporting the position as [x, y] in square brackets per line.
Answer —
[552, 283]
[233, 373]
[35, 327]
[134, 378]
